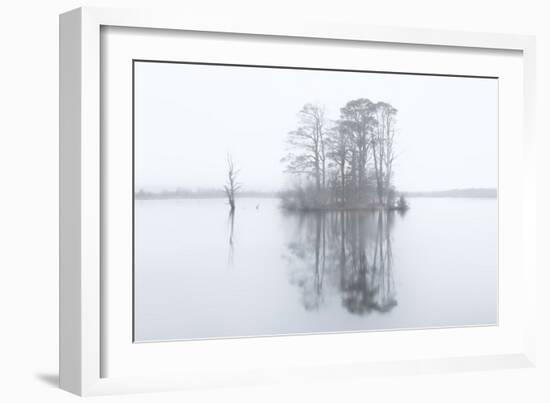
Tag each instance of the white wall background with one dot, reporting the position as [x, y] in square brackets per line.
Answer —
[29, 209]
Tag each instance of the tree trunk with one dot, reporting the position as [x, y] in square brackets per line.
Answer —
[343, 179]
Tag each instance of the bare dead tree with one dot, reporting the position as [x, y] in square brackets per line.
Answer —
[232, 186]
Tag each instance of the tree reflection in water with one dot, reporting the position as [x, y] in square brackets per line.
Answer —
[348, 251]
[231, 225]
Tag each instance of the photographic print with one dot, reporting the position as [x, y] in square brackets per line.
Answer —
[272, 201]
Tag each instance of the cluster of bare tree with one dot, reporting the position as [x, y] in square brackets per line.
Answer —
[343, 163]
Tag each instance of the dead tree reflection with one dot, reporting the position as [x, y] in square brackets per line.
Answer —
[231, 225]
[344, 252]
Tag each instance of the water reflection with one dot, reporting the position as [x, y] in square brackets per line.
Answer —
[231, 225]
[346, 251]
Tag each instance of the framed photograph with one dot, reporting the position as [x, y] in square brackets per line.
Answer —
[251, 202]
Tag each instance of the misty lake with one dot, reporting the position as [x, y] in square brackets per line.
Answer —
[201, 274]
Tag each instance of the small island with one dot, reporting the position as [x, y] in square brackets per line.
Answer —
[343, 164]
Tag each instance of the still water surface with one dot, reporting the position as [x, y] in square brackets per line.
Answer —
[200, 273]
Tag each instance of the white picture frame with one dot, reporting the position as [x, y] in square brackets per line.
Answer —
[86, 345]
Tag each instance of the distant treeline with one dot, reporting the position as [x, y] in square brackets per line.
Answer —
[459, 193]
[198, 194]
[215, 194]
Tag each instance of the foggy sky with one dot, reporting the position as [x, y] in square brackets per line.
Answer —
[189, 117]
